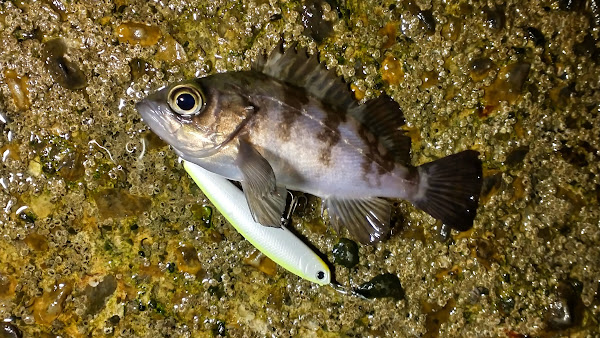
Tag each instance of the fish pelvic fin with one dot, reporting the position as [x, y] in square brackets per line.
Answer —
[383, 117]
[265, 199]
[367, 219]
[449, 189]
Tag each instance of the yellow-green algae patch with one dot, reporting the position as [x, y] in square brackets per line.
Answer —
[103, 233]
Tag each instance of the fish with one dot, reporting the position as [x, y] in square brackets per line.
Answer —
[289, 123]
[279, 244]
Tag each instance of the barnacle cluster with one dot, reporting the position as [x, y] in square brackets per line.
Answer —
[103, 233]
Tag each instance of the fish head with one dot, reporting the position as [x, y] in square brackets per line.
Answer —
[195, 117]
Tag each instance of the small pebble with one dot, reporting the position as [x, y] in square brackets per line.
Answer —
[138, 33]
[263, 263]
[50, 305]
[427, 20]
[115, 203]
[64, 71]
[19, 89]
[345, 253]
[8, 330]
[139, 67]
[314, 24]
[381, 286]
[536, 36]
[98, 295]
[391, 71]
[187, 260]
[171, 51]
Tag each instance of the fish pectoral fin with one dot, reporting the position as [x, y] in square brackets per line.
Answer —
[266, 209]
[265, 199]
[367, 219]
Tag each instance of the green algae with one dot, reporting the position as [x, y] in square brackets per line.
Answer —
[536, 232]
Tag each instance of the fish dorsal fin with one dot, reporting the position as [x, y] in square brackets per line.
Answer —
[381, 116]
[384, 118]
[295, 67]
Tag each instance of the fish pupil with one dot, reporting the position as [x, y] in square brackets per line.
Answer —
[186, 101]
[320, 275]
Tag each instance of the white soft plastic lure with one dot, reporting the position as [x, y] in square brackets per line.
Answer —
[279, 244]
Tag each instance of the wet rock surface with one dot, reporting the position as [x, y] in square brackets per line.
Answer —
[102, 232]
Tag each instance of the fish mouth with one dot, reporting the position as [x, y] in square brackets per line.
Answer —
[159, 119]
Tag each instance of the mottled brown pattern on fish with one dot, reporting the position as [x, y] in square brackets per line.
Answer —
[330, 133]
[375, 153]
[295, 98]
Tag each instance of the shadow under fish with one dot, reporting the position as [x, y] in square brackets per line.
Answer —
[289, 123]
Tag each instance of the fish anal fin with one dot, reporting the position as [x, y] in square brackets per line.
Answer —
[384, 118]
[449, 189]
[367, 219]
[265, 199]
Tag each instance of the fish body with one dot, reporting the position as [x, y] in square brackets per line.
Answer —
[305, 153]
[291, 124]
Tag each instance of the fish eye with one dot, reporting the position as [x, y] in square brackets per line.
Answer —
[185, 100]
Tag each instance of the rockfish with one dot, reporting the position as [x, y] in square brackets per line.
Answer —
[289, 123]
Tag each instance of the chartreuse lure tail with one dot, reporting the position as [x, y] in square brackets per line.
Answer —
[279, 244]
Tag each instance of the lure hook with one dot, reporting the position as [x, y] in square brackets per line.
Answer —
[346, 291]
[290, 208]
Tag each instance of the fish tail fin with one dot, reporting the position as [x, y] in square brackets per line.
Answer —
[449, 189]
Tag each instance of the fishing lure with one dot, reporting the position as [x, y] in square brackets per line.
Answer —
[279, 244]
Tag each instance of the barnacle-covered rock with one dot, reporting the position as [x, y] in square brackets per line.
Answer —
[507, 86]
